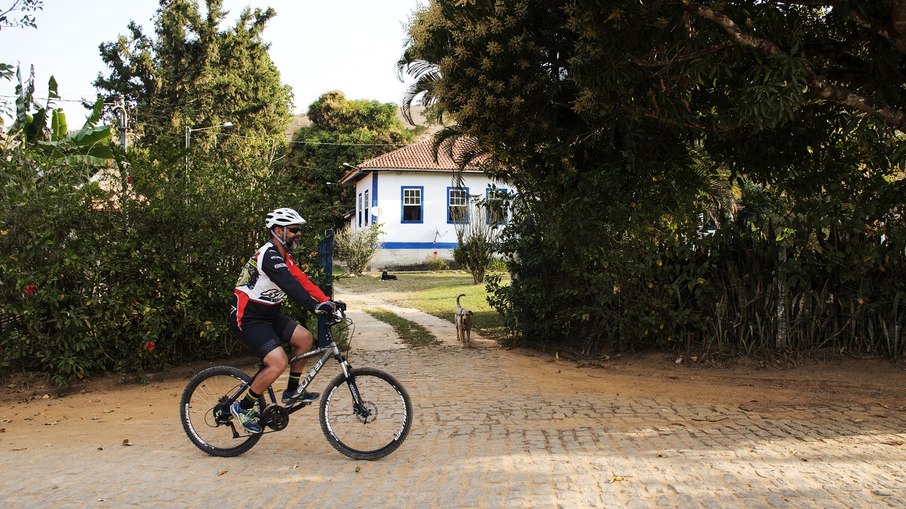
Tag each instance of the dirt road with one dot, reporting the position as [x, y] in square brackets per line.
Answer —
[492, 428]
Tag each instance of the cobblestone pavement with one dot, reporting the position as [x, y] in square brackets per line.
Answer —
[483, 435]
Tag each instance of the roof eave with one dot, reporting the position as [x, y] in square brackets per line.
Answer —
[351, 176]
[357, 173]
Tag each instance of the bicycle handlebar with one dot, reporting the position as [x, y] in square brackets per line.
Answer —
[338, 314]
[337, 304]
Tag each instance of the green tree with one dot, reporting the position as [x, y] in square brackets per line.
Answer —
[341, 131]
[772, 90]
[30, 130]
[194, 73]
[670, 82]
[20, 14]
[8, 19]
[76, 299]
[650, 107]
[358, 247]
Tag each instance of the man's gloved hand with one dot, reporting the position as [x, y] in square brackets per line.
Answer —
[325, 308]
[340, 305]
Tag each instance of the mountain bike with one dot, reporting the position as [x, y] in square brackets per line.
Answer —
[365, 413]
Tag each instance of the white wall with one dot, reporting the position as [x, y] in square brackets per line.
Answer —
[413, 243]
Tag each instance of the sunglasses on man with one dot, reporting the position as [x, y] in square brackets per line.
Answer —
[294, 229]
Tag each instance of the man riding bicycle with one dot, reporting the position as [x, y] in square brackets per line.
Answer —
[266, 279]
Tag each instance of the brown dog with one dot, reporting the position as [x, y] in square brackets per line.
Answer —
[463, 323]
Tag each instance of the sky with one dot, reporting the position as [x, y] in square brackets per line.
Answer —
[318, 46]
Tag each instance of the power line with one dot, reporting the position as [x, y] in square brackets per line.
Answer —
[56, 99]
[293, 142]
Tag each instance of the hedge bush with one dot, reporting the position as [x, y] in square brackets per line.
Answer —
[128, 268]
[820, 276]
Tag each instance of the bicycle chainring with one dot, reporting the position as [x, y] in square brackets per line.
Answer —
[275, 417]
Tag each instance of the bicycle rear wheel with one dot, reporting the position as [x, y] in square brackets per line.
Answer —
[205, 413]
[371, 432]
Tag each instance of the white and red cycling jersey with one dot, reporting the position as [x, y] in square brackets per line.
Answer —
[266, 279]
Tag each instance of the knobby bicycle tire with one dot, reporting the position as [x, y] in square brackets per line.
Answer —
[373, 436]
[201, 410]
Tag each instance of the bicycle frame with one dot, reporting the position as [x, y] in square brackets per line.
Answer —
[332, 350]
[325, 352]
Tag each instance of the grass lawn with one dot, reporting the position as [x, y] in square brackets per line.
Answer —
[410, 332]
[434, 293]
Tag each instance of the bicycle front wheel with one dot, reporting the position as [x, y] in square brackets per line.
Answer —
[373, 429]
[205, 413]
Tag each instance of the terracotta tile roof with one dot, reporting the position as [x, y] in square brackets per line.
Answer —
[417, 156]
[420, 155]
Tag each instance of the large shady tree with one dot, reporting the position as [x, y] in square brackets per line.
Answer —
[341, 131]
[193, 72]
[784, 117]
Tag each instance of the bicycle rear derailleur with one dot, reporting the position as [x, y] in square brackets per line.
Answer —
[275, 417]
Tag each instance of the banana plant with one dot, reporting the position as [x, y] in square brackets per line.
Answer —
[6, 71]
[91, 144]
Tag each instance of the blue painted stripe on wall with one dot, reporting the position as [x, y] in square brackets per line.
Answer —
[419, 245]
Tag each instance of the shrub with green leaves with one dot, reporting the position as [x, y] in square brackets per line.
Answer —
[762, 283]
[476, 242]
[435, 263]
[358, 247]
[128, 268]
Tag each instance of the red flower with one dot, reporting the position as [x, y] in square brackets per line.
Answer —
[30, 289]
[130, 179]
[149, 345]
[435, 253]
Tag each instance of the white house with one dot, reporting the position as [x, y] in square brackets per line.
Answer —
[420, 202]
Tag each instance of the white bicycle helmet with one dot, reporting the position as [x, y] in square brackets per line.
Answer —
[282, 217]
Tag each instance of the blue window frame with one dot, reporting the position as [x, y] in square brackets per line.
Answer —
[457, 205]
[496, 200]
[413, 204]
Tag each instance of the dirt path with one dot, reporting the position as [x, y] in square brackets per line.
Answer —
[493, 428]
[838, 380]
[842, 379]
[443, 330]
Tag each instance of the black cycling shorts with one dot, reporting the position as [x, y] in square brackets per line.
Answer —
[264, 337]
